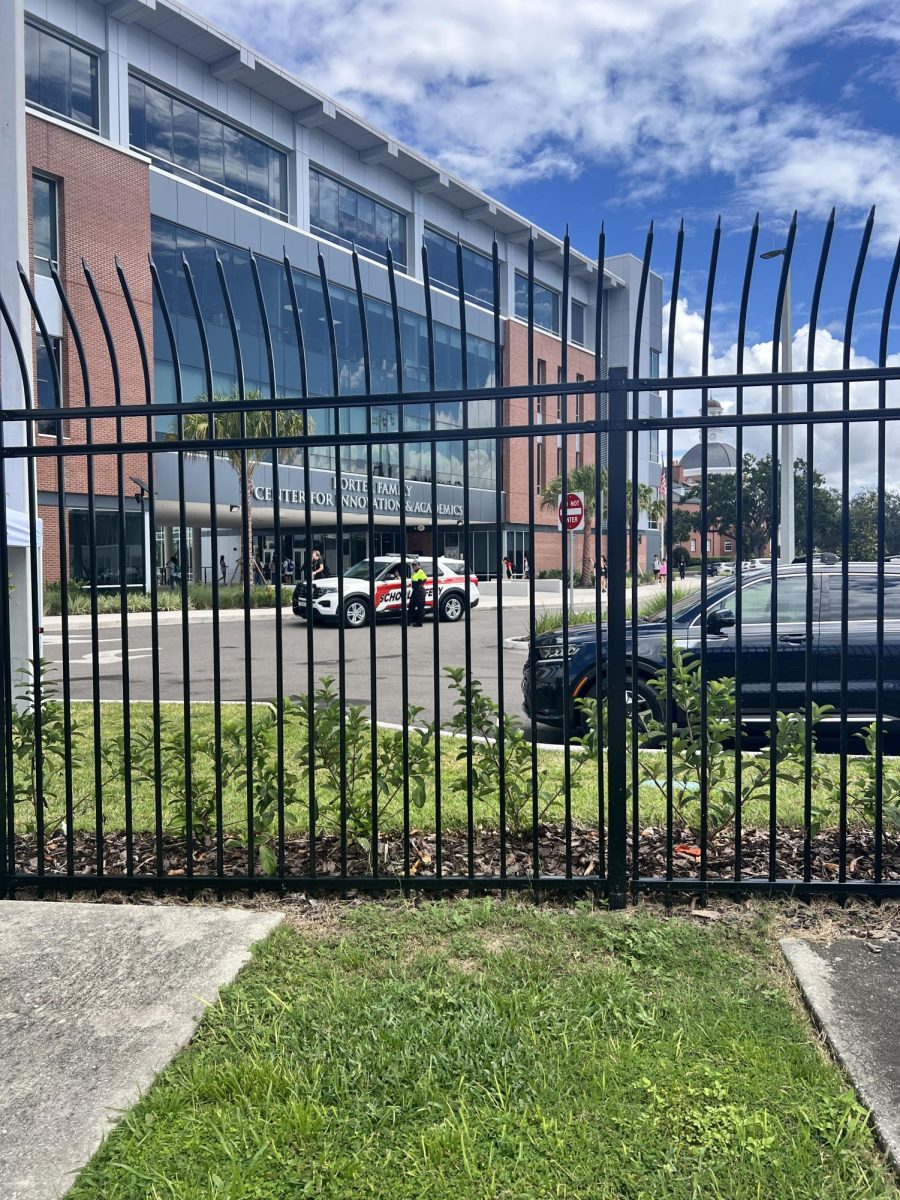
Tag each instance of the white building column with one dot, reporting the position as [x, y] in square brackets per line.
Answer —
[14, 247]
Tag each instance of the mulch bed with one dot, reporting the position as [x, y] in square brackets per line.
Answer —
[551, 847]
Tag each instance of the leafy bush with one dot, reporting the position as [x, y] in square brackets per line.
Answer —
[391, 773]
[39, 736]
[689, 739]
[199, 597]
[493, 741]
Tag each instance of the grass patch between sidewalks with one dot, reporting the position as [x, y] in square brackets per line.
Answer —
[491, 1052]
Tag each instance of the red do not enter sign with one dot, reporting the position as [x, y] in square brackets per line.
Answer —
[571, 511]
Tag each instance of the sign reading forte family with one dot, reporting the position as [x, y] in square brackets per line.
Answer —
[355, 495]
[291, 495]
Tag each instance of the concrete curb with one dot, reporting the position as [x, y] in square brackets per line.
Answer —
[857, 1014]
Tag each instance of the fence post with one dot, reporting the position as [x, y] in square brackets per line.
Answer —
[616, 749]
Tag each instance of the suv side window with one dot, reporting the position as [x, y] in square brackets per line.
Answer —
[756, 600]
[862, 597]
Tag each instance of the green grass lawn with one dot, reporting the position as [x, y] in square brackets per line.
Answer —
[453, 775]
[482, 1051]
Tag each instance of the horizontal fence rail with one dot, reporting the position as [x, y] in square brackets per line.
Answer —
[195, 698]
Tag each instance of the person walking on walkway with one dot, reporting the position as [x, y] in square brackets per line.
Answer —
[663, 571]
[604, 574]
[417, 596]
[223, 567]
[681, 567]
[656, 565]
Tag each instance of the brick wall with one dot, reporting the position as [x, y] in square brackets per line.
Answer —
[547, 540]
[103, 213]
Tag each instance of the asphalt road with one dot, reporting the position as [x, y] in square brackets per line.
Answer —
[422, 665]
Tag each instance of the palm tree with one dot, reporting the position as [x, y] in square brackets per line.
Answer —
[579, 479]
[257, 424]
[648, 501]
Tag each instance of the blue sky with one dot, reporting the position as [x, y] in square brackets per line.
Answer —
[627, 112]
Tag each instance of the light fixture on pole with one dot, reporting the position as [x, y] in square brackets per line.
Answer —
[786, 539]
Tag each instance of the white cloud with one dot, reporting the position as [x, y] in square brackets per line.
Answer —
[518, 89]
[827, 445]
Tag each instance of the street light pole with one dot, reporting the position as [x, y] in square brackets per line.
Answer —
[786, 535]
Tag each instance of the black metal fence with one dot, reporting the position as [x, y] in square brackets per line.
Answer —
[179, 749]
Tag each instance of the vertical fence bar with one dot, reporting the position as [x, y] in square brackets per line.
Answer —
[600, 682]
[405, 571]
[845, 544]
[248, 565]
[92, 557]
[154, 581]
[567, 566]
[812, 618]
[467, 559]
[370, 532]
[214, 558]
[704, 525]
[879, 649]
[636, 491]
[436, 622]
[500, 555]
[278, 569]
[616, 657]
[739, 556]
[670, 401]
[307, 574]
[532, 572]
[339, 518]
[123, 583]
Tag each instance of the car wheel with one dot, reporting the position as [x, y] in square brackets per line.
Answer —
[452, 608]
[648, 705]
[356, 613]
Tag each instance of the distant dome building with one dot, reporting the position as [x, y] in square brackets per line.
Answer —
[721, 456]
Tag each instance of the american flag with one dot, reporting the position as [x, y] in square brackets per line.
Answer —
[662, 482]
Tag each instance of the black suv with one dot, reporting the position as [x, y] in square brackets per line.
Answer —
[756, 643]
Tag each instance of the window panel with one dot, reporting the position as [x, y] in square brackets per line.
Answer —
[546, 304]
[44, 224]
[61, 77]
[179, 135]
[578, 323]
[46, 358]
[158, 124]
[654, 364]
[235, 160]
[478, 272]
[186, 136]
[83, 68]
[355, 219]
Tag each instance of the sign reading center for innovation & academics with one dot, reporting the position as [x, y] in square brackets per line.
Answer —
[571, 512]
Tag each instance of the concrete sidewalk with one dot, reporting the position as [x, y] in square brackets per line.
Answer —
[95, 999]
[852, 988]
[517, 599]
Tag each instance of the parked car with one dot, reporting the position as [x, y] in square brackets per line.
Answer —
[789, 679]
[720, 568]
[360, 602]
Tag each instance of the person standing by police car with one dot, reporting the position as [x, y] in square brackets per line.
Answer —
[417, 596]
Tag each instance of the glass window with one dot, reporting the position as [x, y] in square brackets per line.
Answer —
[106, 542]
[477, 268]
[756, 602]
[169, 241]
[60, 77]
[44, 224]
[862, 597]
[578, 323]
[46, 358]
[352, 218]
[200, 146]
[546, 304]
[654, 364]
